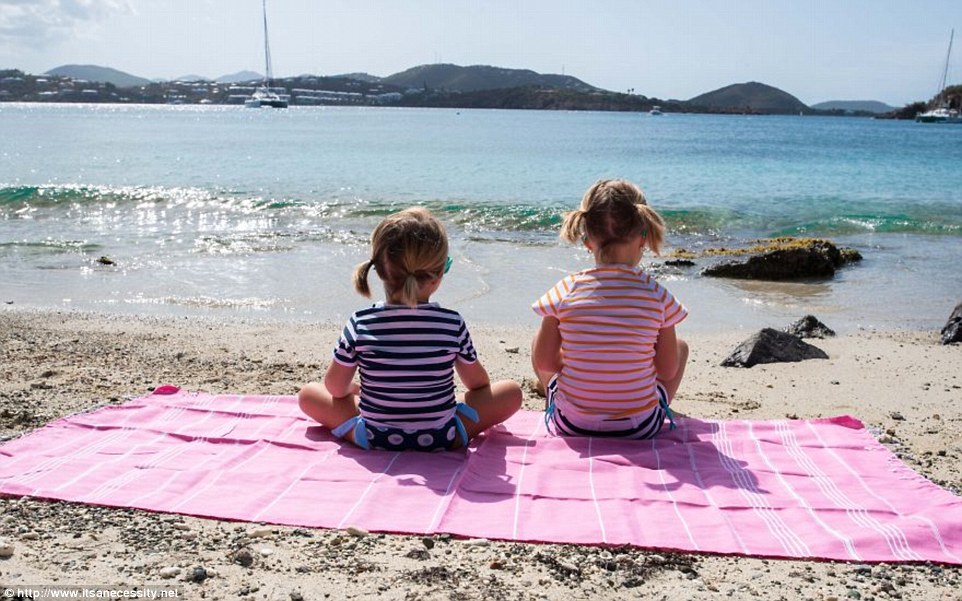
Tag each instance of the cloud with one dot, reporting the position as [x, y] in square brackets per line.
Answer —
[40, 22]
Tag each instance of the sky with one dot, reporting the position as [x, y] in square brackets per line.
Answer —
[893, 51]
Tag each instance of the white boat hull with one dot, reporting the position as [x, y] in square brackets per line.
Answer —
[263, 97]
[941, 115]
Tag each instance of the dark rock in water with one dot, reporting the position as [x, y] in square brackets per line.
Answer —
[772, 346]
[810, 327]
[680, 263]
[952, 332]
[781, 264]
[787, 259]
[849, 255]
[106, 261]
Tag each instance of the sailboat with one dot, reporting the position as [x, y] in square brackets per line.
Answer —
[942, 113]
[263, 95]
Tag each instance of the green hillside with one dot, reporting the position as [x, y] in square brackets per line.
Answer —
[751, 97]
[436, 85]
[240, 77]
[456, 78]
[99, 74]
[854, 106]
[539, 98]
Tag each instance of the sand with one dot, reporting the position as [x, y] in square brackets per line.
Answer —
[902, 384]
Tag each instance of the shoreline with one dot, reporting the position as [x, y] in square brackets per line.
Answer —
[903, 385]
[489, 292]
[899, 283]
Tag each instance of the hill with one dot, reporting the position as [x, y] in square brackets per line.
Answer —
[751, 97]
[538, 98]
[455, 78]
[437, 85]
[854, 106]
[240, 77]
[191, 77]
[99, 74]
[365, 77]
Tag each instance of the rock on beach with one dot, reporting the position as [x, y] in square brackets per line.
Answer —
[772, 346]
[810, 327]
[952, 332]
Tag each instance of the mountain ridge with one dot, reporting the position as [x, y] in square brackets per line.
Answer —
[239, 77]
[869, 106]
[99, 74]
[476, 78]
[485, 86]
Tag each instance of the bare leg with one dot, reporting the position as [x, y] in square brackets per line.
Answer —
[494, 404]
[318, 404]
[672, 385]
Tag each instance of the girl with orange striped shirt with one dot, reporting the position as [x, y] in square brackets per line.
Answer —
[606, 352]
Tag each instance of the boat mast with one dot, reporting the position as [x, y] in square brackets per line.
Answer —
[945, 71]
[268, 75]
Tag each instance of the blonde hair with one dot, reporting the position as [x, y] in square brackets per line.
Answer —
[611, 212]
[408, 248]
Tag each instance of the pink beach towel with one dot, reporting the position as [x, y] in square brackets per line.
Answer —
[787, 488]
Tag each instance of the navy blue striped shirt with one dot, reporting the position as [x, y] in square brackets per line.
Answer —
[406, 360]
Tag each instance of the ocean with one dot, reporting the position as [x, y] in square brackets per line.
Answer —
[226, 211]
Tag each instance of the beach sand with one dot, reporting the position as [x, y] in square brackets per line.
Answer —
[903, 385]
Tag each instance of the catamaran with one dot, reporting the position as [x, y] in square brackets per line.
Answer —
[264, 95]
[942, 113]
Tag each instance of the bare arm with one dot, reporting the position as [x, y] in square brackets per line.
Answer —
[473, 375]
[338, 380]
[666, 354]
[546, 350]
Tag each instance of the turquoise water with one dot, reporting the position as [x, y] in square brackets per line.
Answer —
[227, 210]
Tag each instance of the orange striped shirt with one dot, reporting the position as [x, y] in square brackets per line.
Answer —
[610, 316]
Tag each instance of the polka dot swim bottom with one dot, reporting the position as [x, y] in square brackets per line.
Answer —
[386, 438]
[398, 439]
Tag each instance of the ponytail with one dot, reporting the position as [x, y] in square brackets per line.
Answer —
[408, 294]
[360, 278]
[572, 228]
[653, 227]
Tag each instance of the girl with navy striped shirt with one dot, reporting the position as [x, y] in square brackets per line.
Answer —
[407, 350]
[607, 353]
